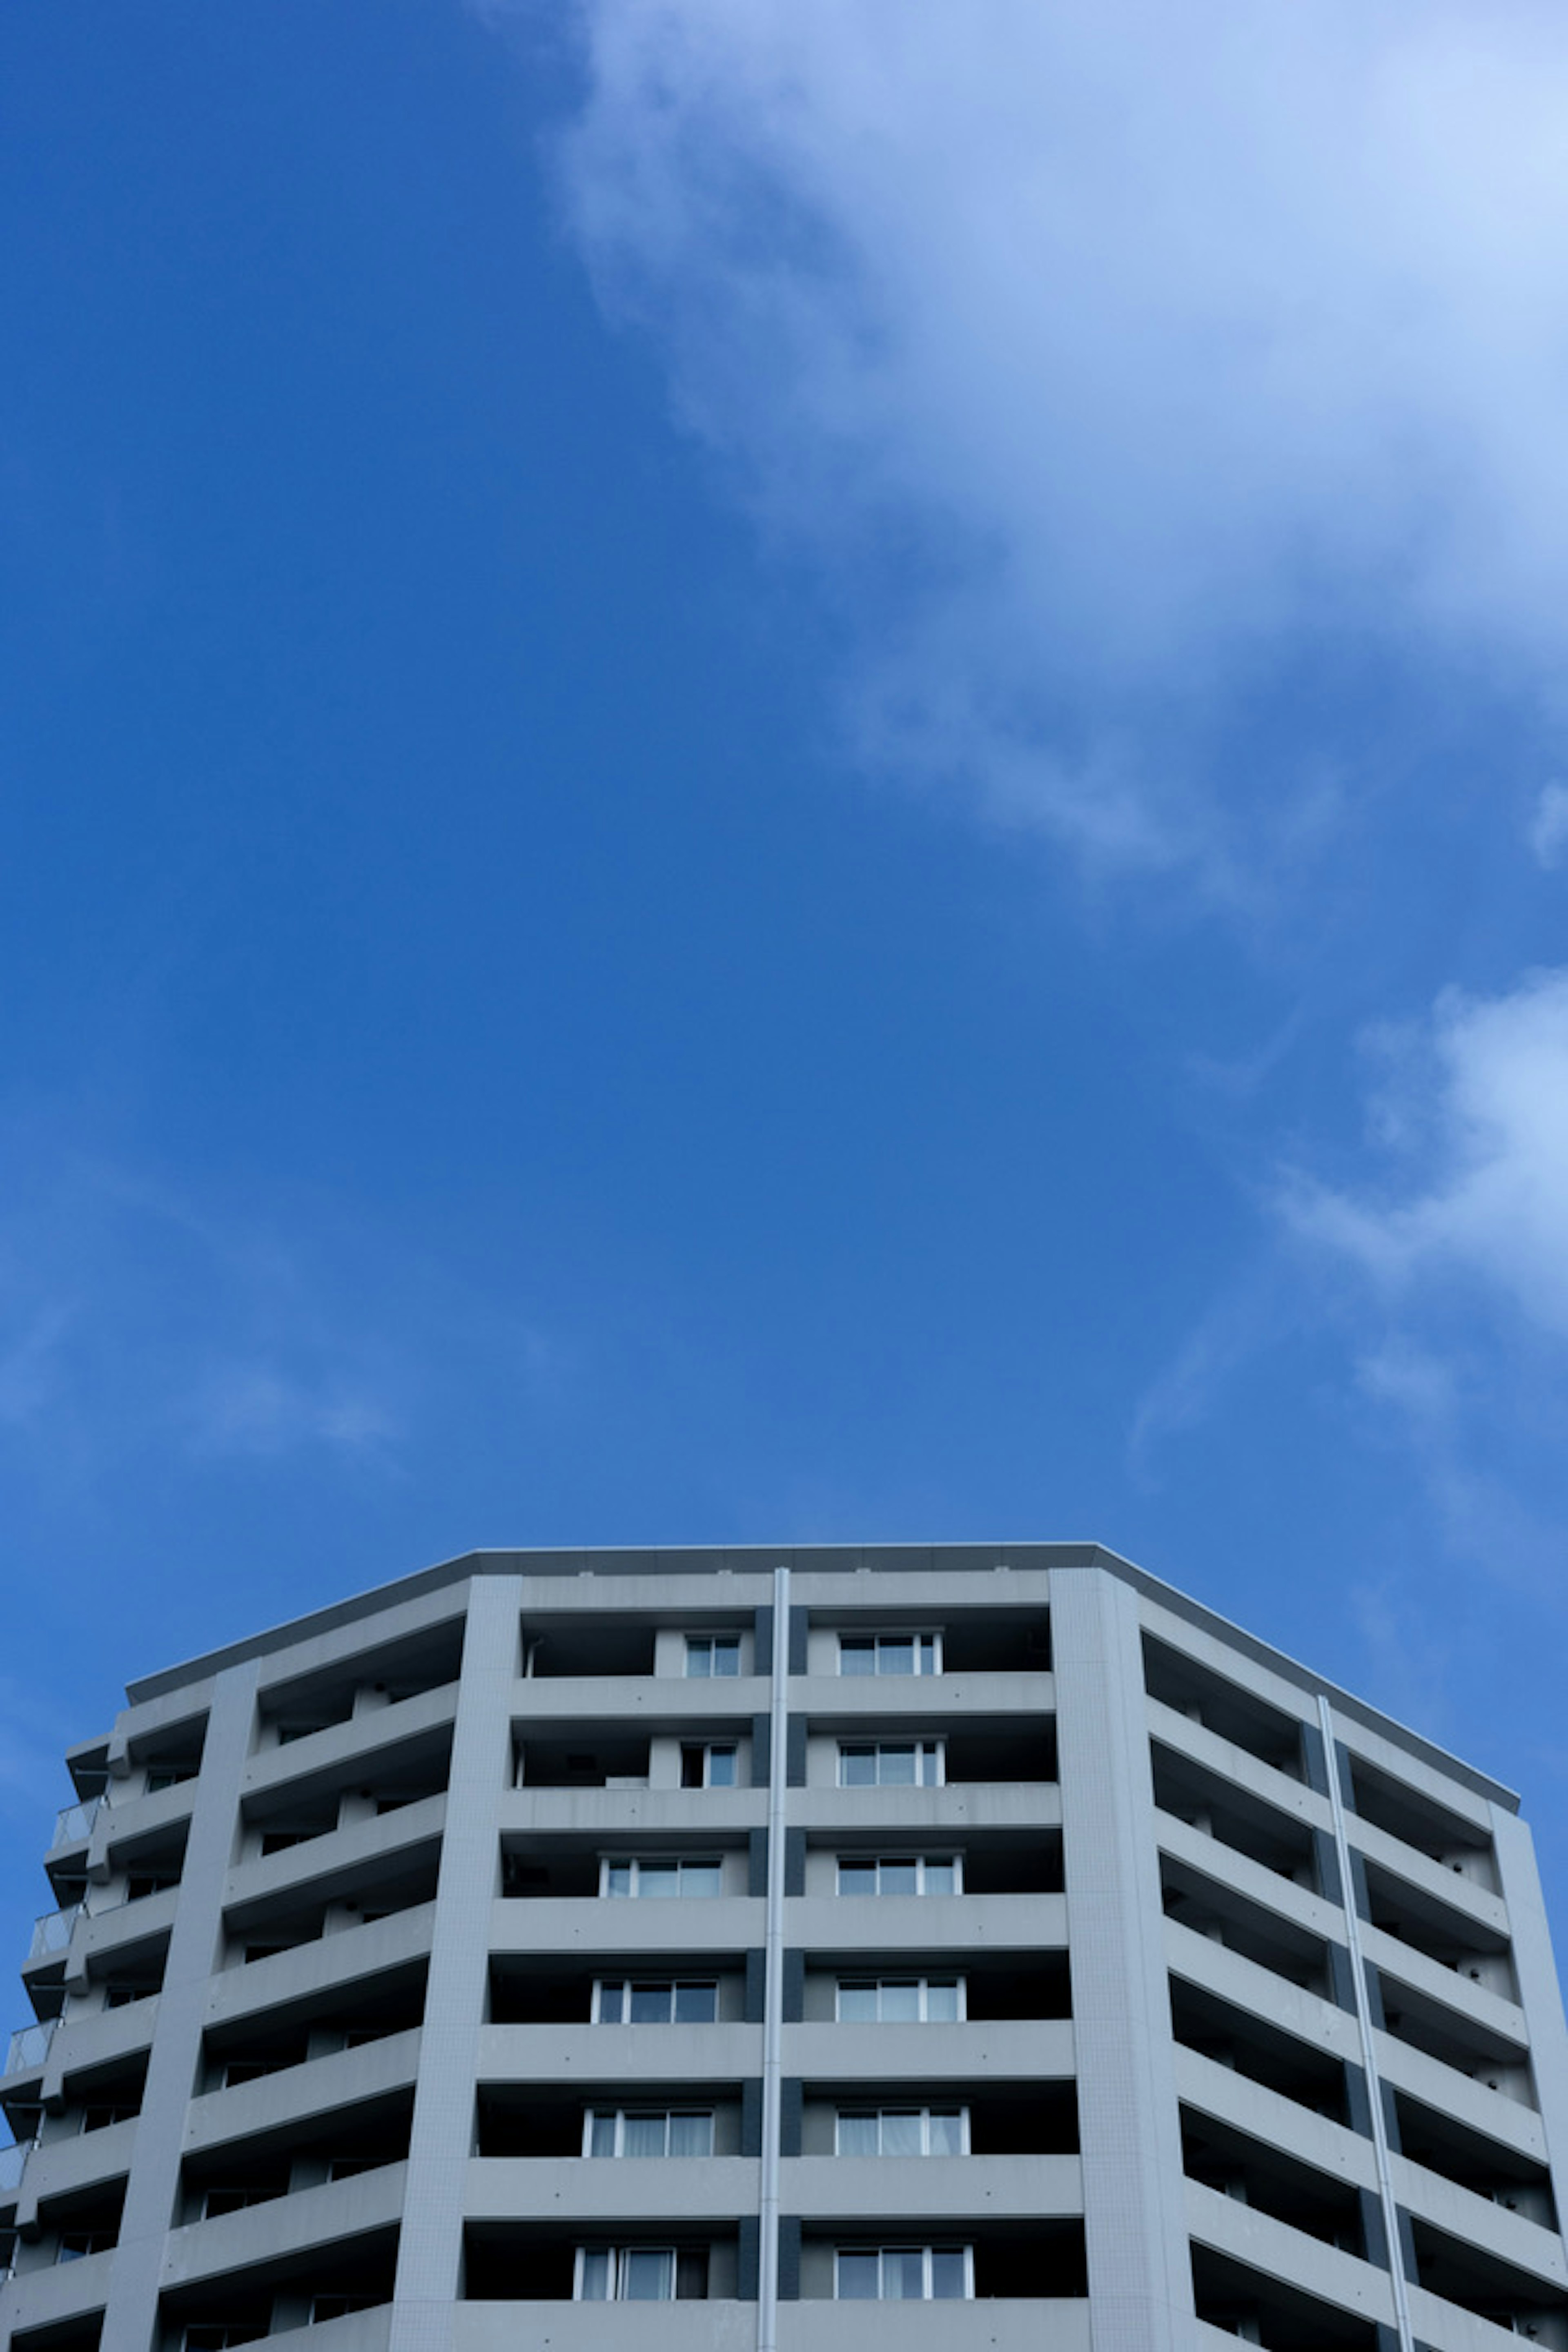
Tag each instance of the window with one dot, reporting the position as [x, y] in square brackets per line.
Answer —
[101, 2112]
[166, 1776]
[673, 2131]
[709, 1766]
[279, 1841]
[710, 1654]
[891, 1764]
[348, 2167]
[142, 1883]
[117, 1996]
[637, 2001]
[641, 2274]
[890, 1654]
[215, 2335]
[75, 2245]
[902, 2131]
[893, 1874]
[637, 1877]
[234, 2200]
[250, 2070]
[901, 2001]
[338, 2306]
[904, 2274]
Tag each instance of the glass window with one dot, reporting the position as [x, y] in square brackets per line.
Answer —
[651, 2132]
[710, 1765]
[903, 2131]
[924, 1874]
[890, 1654]
[638, 1877]
[890, 1764]
[654, 2001]
[904, 2274]
[710, 1655]
[901, 2001]
[641, 2274]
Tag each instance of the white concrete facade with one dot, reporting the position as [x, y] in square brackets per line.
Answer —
[963, 1946]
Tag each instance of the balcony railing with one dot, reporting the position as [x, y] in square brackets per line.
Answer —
[30, 2045]
[52, 1933]
[13, 2163]
[74, 1823]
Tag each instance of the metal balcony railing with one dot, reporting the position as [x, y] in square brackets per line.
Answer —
[74, 1823]
[30, 2045]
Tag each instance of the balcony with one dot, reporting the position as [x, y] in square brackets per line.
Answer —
[73, 1824]
[29, 2046]
[52, 1933]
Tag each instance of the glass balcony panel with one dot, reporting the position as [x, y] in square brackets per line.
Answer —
[74, 1823]
[52, 1933]
[30, 2045]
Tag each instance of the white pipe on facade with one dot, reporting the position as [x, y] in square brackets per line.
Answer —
[772, 1996]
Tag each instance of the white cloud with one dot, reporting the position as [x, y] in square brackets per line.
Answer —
[1479, 1107]
[1549, 826]
[1098, 348]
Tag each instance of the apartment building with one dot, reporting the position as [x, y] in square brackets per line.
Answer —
[900, 1949]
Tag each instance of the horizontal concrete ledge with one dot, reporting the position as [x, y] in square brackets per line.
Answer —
[823, 1812]
[905, 2192]
[36, 2298]
[1025, 2325]
[829, 1701]
[951, 1925]
[1009, 2049]
[338, 2211]
[615, 2055]
[657, 1702]
[632, 1815]
[569, 2190]
[315, 2087]
[592, 1923]
[599, 2327]
[1289, 2255]
[324, 1964]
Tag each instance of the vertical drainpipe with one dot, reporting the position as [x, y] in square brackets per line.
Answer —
[772, 1996]
[1391, 2229]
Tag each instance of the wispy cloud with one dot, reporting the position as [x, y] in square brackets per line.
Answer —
[1122, 364]
[132, 1316]
[1548, 833]
[1474, 1110]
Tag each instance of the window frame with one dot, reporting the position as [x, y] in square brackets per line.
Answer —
[627, 1986]
[707, 1749]
[619, 2259]
[880, 1861]
[636, 1864]
[925, 1642]
[843, 2115]
[926, 2253]
[923, 1985]
[934, 1749]
[620, 2116]
[713, 1646]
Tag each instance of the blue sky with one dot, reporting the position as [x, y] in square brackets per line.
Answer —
[784, 774]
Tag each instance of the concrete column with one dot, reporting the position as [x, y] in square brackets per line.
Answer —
[430, 2253]
[1139, 2269]
[130, 2316]
[1538, 1992]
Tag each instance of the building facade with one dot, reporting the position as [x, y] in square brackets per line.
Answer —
[964, 1948]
